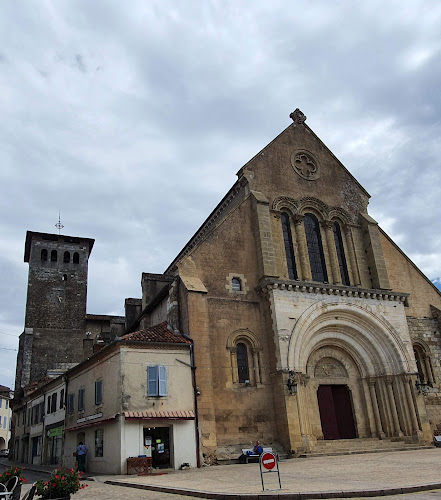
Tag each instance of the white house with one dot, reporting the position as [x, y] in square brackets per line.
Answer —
[135, 397]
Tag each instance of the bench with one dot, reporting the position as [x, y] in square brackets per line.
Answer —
[253, 456]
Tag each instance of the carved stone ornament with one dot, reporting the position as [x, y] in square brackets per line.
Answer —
[305, 165]
[297, 117]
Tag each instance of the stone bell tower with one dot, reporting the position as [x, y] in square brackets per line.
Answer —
[55, 321]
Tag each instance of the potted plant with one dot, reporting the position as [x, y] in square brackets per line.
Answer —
[10, 472]
[61, 485]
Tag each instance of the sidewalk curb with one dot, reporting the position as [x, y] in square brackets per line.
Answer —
[277, 496]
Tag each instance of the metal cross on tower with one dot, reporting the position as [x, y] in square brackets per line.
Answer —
[58, 225]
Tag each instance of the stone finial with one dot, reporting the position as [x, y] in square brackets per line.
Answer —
[297, 117]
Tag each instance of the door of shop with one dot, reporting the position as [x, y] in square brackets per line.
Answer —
[336, 412]
[160, 446]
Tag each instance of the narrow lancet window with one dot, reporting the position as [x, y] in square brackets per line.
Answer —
[315, 248]
[76, 258]
[44, 255]
[54, 256]
[66, 257]
[242, 363]
[340, 254]
[289, 249]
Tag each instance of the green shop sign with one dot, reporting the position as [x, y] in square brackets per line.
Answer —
[56, 431]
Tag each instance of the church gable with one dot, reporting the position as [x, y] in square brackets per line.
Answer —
[297, 164]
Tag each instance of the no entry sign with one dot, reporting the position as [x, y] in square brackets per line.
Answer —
[268, 460]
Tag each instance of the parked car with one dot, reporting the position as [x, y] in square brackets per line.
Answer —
[4, 453]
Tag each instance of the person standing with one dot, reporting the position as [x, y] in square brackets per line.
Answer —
[81, 456]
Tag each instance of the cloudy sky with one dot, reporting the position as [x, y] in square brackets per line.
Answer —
[132, 118]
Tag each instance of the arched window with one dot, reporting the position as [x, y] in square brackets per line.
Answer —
[315, 248]
[54, 256]
[424, 364]
[236, 285]
[44, 255]
[289, 249]
[340, 254]
[66, 257]
[76, 258]
[242, 363]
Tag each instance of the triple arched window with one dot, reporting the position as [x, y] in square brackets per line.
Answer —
[318, 256]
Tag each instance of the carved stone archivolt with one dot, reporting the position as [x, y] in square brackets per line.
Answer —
[306, 203]
[304, 163]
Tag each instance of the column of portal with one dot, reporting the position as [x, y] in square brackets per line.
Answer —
[411, 405]
[393, 407]
[374, 401]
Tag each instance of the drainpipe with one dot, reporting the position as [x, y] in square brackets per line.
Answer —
[195, 396]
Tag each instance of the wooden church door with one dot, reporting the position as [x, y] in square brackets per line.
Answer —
[336, 414]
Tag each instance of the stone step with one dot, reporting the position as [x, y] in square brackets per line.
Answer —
[361, 446]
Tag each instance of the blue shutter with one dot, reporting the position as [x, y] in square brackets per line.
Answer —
[152, 380]
[162, 381]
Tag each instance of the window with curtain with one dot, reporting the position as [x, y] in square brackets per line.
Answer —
[315, 248]
[289, 249]
[340, 254]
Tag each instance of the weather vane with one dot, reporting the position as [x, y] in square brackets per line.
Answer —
[58, 225]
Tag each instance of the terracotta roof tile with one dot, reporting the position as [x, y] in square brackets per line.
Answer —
[157, 334]
[147, 414]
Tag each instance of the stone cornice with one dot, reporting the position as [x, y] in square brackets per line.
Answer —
[266, 285]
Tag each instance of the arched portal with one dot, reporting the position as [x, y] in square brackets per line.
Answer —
[357, 374]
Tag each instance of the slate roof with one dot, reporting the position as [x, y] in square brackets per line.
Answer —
[156, 334]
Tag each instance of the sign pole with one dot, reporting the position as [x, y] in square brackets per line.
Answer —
[269, 462]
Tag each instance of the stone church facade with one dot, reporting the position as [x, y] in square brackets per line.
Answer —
[308, 323]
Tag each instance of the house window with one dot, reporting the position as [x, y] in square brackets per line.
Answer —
[242, 363]
[23, 415]
[70, 403]
[98, 392]
[236, 285]
[44, 255]
[289, 249]
[4, 422]
[54, 256]
[66, 258]
[76, 258]
[54, 403]
[48, 404]
[99, 434]
[81, 400]
[156, 381]
[61, 399]
[315, 248]
[41, 411]
[340, 254]
[6, 404]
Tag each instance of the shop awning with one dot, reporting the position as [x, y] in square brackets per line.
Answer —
[156, 415]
